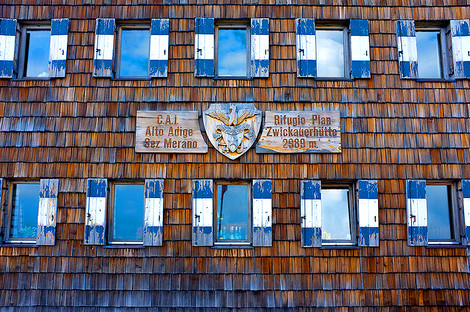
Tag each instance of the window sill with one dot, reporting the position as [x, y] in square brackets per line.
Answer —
[339, 246]
[122, 245]
[434, 80]
[234, 246]
[31, 79]
[131, 79]
[233, 78]
[19, 244]
[333, 79]
[433, 245]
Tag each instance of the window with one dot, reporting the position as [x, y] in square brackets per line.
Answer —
[331, 53]
[133, 52]
[431, 43]
[442, 226]
[23, 212]
[337, 215]
[126, 213]
[233, 217]
[34, 52]
[232, 46]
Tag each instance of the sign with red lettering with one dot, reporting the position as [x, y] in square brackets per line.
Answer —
[301, 132]
[168, 132]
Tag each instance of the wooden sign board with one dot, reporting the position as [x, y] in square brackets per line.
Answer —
[301, 132]
[168, 132]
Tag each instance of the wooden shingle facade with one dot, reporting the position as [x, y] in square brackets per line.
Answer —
[80, 128]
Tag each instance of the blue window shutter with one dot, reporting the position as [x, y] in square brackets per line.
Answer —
[153, 213]
[95, 213]
[305, 45]
[203, 199]
[104, 48]
[416, 213]
[7, 46]
[1, 192]
[310, 213]
[466, 209]
[58, 47]
[260, 47]
[360, 48]
[262, 213]
[159, 37]
[460, 32]
[47, 213]
[368, 213]
[204, 47]
[407, 49]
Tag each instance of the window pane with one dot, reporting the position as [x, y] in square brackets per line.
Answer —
[128, 212]
[232, 212]
[335, 217]
[429, 54]
[330, 53]
[37, 53]
[232, 52]
[24, 210]
[439, 213]
[134, 53]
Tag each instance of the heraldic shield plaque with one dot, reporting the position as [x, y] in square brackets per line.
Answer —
[232, 128]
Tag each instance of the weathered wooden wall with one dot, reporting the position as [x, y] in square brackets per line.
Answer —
[81, 127]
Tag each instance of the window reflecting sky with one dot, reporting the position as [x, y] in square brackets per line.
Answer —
[330, 53]
[335, 217]
[134, 53]
[439, 218]
[37, 53]
[128, 215]
[429, 54]
[232, 212]
[24, 214]
[232, 52]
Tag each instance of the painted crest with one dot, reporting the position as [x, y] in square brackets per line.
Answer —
[232, 128]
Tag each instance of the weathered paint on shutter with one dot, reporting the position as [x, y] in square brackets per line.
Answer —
[360, 48]
[460, 32]
[204, 47]
[466, 210]
[407, 49]
[159, 47]
[305, 45]
[368, 213]
[104, 48]
[310, 213]
[7, 46]
[417, 212]
[260, 47]
[203, 196]
[262, 213]
[95, 214]
[153, 213]
[58, 47]
[47, 213]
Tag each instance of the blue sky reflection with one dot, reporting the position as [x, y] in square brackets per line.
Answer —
[439, 225]
[232, 212]
[37, 53]
[429, 55]
[232, 52]
[135, 50]
[128, 215]
[24, 215]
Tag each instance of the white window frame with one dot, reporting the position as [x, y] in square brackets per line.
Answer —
[444, 50]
